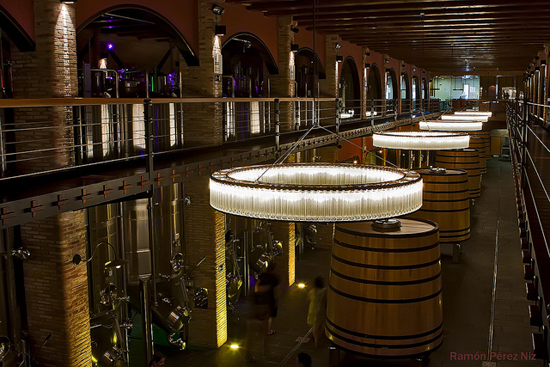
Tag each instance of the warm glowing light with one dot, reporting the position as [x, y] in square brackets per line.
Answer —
[465, 118]
[234, 346]
[421, 140]
[475, 113]
[436, 125]
[301, 285]
[316, 192]
[103, 63]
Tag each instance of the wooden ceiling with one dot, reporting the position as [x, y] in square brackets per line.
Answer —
[442, 36]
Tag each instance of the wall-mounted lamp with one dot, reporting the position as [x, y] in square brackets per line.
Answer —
[294, 29]
[337, 46]
[220, 30]
[367, 65]
[386, 61]
[423, 71]
[367, 53]
[116, 263]
[543, 62]
[414, 69]
[402, 65]
[187, 200]
[19, 253]
[218, 10]
[294, 47]
[339, 58]
[537, 68]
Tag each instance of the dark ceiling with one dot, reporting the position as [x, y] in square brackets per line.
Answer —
[442, 36]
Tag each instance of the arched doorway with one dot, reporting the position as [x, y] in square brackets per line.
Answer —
[349, 90]
[249, 62]
[131, 52]
[308, 70]
[405, 93]
[374, 91]
[391, 91]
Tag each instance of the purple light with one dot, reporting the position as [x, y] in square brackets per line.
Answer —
[110, 46]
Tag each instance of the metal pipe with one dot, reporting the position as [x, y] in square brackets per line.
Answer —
[181, 86]
[146, 317]
[152, 256]
[121, 255]
[249, 87]
[13, 307]
[146, 84]
[277, 124]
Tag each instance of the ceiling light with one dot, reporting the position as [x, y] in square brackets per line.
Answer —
[218, 10]
[316, 192]
[465, 117]
[437, 125]
[67, 2]
[421, 140]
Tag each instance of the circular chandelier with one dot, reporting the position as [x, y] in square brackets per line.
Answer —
[474, 113]
[421, 140]
[465, 117]
[451, 125]
[316, 192]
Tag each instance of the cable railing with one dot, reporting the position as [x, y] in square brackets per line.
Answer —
[530, 151]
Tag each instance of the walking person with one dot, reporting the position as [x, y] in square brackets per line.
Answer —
[257, 324]
[317, 313]
[270, 279]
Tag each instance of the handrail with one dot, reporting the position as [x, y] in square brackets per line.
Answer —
[64, 102]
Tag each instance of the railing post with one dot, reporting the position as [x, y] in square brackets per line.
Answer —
[338, 112]
[277, 124]
[148, 119]
[297, 115]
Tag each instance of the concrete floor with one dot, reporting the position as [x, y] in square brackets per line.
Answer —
[467, 299]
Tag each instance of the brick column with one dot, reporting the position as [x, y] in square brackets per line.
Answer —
[282, 85]
[202, 123]
[329, 86]
[48, 72]
[286, 265]
[205, 236]
[364, 60]
[56, 290]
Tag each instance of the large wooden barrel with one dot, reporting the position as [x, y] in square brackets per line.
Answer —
[485, 137]
[478, 144]
[466, 159]
[446, 200]
[384, 296]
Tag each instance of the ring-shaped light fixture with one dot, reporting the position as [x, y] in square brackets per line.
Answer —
[421, 140]
[437, 125]
[465, 118]
[316, 192]
[474, 113]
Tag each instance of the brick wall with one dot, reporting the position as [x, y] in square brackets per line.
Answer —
[205, 236]
[286, 264]
[282, 85]
[48, 72]
[203, 122]
[56, 290]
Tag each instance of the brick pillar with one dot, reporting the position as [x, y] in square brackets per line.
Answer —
[282, 85]
[364, 78]
[329, 86]
[56, 290]
[203, 121]
[286, 265]
[48, 72]
[205, 236]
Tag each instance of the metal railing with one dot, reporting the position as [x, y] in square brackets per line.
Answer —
[530, 150]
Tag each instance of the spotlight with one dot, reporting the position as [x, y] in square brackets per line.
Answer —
[301, 285]
[339, 58]
[218, 10]
[367, 53]
[234, 346]
[294, 29]
[386, 61]
[367, 65]
[110, 46]
[294, 47]
[220, 30]
[337, 46]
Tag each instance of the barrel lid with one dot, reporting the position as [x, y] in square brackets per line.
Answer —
[447, 172]
[410, 227]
